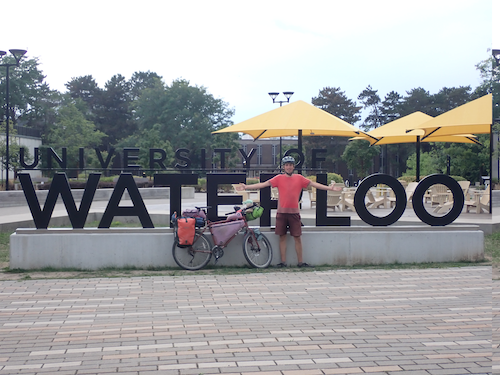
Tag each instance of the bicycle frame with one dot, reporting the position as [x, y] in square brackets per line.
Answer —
[209, 224]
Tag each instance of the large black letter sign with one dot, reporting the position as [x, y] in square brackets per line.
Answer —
[321, 205]
[214, 200]
[175, 182]
[418, 200]
[59, 185]
[126, 182]
[359, 200]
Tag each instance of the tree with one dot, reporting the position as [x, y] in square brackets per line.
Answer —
[146, 140]
[31, 102]
[391, 107]
[470, 161]
[390, 110]
[115, 111]
[86, 89]
[371, 101]
[111, 109]
[359, 155]
[450, 98]
[417, 100]
[141, 81]
[335, 102]
[395, 154]
[149, 107]
[73, 131]
[44, 117]
[430, 162]
[187, 115]
[489, 70]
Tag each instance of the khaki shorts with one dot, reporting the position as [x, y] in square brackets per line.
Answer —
[285, 221]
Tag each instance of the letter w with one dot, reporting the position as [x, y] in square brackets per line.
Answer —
[60, 185]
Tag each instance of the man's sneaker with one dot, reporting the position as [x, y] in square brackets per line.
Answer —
[281, 265]
[300, 265]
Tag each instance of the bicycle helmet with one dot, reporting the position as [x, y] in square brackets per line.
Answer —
[288, 159]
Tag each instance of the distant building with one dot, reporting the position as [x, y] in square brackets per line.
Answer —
[267, 151]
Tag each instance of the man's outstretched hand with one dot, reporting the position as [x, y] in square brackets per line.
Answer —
[335, 188]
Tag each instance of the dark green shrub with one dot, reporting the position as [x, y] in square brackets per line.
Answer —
[335, 177]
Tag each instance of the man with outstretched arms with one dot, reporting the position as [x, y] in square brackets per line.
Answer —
[289, 186]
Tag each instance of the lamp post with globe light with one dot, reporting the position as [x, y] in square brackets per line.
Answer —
[18, 54]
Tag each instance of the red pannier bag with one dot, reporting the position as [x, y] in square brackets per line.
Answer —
[221, 233]
[185, 231]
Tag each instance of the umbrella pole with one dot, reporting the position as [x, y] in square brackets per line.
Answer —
[281, 151]
[299, 144]
[418, 159]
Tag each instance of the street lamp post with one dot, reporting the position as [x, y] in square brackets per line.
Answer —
[274, 95]
[496, 57]
[18, 54]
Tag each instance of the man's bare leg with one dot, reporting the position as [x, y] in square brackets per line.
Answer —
[298, 248]
[283, 248]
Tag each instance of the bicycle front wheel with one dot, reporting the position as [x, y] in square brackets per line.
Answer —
[257, 250]
[194, 257]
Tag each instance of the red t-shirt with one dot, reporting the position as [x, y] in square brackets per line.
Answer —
[289, 188]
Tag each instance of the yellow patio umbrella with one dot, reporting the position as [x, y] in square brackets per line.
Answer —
[288, 120]
[474, 117]
[396, 132]
[295, 119]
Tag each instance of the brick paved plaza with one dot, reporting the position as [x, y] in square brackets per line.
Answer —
[430, 321]
[496, 326]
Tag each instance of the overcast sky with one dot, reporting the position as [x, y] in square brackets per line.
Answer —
[241, 50]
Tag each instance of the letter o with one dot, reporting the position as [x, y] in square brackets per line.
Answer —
[365, 185]
[418, 200]
[299, 153]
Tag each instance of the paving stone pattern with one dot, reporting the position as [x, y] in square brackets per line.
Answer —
[430, 321]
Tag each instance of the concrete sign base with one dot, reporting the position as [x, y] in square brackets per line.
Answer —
[92, 249]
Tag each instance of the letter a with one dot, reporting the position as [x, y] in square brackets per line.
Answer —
[126, 181]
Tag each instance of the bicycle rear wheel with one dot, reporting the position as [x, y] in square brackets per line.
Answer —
[194, 257]
[258, 254]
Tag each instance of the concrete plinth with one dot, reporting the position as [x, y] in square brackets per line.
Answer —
[91, 249]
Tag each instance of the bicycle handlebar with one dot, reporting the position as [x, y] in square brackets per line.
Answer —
[243, 210]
